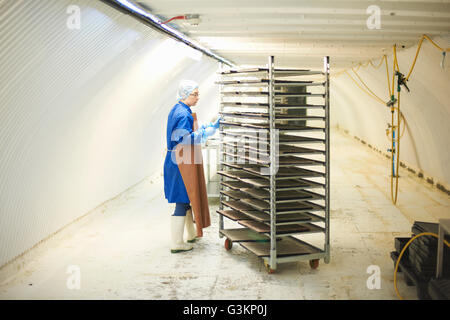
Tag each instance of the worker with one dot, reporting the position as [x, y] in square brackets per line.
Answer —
[184, 180]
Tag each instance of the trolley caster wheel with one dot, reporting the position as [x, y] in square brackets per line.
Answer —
[268, 268]
[228, 244]
[314, 264]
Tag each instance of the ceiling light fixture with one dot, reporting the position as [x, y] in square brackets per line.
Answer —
[130, 7]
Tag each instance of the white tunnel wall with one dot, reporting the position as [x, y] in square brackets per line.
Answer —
[82, 112]
[426, 109]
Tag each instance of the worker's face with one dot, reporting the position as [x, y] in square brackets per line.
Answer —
[192, 99]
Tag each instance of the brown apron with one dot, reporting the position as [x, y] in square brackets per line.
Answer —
[190, 163]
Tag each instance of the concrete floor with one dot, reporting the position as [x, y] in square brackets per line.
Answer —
[122, 249]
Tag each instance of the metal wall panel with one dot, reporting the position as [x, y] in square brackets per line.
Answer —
[82, 111]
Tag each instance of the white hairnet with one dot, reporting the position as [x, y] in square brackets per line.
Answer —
[185, 89]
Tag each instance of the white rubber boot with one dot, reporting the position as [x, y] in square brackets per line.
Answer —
[177, 230]
[190, 228]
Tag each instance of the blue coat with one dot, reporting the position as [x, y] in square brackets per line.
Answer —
[179, 126]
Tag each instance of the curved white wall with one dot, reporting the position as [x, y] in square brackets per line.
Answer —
[82, 112]
[426, 108]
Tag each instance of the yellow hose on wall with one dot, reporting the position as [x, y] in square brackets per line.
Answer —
[418, 50]
[389, 130]
[395, 149]
[395, 152]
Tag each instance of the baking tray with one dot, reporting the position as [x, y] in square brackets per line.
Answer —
[234, 194]
[265, 116]
[236, 174]
[285, 172]
[244, 104]
[237, 205]
[298, 106]
[256, 215]
[282, 149]
[266, 81]
[266, 94]
[244, 93]
[240, 105]
[235, 185]
[287, 247]
[276, 72]
[230, 153]
[283, 195]
[236, 165]
[283, 72]
[265, 126]
[243, 71]
[298, 161]
[244, 235]
[283, 184]
[246, 137]
[285, 161]
[291, 207]
[234, 215]
[298, 217]
[262, 227]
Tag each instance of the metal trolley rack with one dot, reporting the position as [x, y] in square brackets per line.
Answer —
[274, 162]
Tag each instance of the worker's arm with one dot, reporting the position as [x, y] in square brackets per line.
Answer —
[194, 137]
[208, 132]
[211, 129]
[214, 124]
[184, 134]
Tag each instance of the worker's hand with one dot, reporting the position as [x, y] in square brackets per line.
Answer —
[216, 124]
[208, 132]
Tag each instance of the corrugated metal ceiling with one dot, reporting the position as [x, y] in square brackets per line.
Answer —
[298, 33]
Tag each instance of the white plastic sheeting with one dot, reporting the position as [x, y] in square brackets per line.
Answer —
[82, 111]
